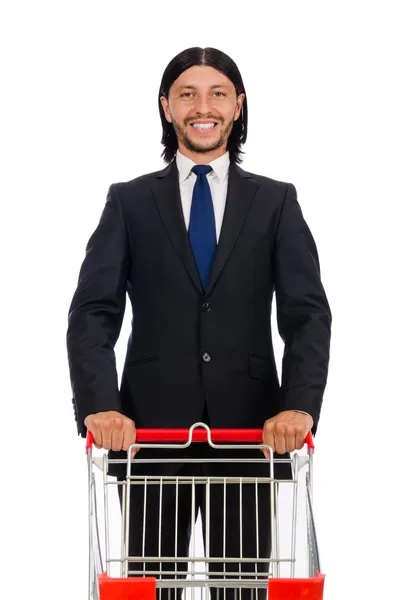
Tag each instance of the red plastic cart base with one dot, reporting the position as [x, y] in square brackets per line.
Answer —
[144, 588]
[133, 588]
[294, 589]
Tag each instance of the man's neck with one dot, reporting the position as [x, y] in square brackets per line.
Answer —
[203, 158]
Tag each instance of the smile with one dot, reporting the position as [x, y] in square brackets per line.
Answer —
[204, 128]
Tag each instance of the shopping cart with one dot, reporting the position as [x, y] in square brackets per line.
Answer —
[198, 579]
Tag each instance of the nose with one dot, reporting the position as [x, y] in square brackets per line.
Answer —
[203, 104]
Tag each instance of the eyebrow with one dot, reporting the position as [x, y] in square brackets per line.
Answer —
[192, 87]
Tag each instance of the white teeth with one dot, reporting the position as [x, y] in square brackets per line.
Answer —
[203, 125]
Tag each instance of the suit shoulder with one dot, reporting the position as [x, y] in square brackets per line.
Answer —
[268, 184]
[137, 182]
[266, 181]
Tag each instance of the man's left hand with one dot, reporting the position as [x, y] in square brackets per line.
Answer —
[286, 431]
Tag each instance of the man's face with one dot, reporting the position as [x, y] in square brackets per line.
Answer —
[202, 93]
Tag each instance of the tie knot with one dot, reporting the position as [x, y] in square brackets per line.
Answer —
[201, 170]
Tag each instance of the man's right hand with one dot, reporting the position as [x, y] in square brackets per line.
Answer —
[111, 430]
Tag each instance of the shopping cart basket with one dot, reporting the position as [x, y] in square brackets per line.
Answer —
[142, 585]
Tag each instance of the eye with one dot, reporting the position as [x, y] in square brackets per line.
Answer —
[187, 93]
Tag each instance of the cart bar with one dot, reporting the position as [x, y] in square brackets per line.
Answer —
[200, 435]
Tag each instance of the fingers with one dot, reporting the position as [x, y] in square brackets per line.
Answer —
[268, 437]
[280, 431]
[111, 430]
[301, 438]
[117, 434]
[279, 437]
[106, 434]
[129, 438]
[96, 432]
[286, 431]
[129, 435]
[290, 439]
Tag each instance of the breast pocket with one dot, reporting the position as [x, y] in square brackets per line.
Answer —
[260, 241]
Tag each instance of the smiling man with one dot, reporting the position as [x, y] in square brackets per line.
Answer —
[200, 247]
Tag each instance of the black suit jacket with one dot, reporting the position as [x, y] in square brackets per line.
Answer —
[188, 346]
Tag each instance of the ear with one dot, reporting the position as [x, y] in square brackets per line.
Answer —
[166, 108]
[240, 102]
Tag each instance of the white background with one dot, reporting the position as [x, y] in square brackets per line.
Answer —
[79, 112]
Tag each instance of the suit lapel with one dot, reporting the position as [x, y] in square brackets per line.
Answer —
[168, 199]
[240, 194]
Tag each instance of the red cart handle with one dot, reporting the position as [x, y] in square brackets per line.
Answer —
[200, 435]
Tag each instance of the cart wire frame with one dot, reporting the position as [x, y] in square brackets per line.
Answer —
[143, 585]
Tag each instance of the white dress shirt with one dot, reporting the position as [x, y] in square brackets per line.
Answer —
[217, 179]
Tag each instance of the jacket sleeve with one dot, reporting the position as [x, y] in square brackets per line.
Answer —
[303, 313]
[96, 315]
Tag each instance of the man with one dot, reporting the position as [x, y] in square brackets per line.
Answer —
[200, 247]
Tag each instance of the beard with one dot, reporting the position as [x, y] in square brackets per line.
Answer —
[204, 145]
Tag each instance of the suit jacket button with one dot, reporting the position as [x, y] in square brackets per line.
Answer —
[206, 357]
[206, 307]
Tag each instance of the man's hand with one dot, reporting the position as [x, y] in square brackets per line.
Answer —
[286, 431]
[112, 430]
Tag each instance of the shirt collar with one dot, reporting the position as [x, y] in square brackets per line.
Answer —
[220, 166]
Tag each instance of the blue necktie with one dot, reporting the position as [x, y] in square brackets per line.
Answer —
[202, 231]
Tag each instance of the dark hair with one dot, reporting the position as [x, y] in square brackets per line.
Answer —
[223, 63]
